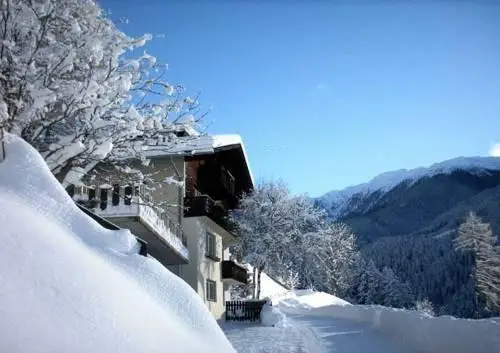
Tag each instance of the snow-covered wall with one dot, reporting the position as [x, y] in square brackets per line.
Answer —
[425, 333]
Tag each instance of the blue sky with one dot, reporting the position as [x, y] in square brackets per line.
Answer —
[326, 96]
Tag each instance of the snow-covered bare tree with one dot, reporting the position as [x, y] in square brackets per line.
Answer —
[272, 222]
[294, 242]
[476, 237]
[333, 248]
[68, 86]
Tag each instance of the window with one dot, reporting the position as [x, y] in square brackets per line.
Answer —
[210, 246]
[211, 291]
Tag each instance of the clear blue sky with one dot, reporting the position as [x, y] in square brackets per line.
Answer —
[327, 96]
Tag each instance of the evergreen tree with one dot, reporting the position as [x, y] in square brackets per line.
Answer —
[370, 285]
[476, 237]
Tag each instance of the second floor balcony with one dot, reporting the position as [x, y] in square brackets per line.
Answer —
[130, 207]
[198, 205]
[234, 273]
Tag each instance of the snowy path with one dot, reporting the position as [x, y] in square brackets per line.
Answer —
[341, 336]
[311, 334]
[292, 337]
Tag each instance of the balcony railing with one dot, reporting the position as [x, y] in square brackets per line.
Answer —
[232, 271]
[203, 205]
[129, 201]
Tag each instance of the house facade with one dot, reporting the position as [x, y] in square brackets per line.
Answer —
[197, 185]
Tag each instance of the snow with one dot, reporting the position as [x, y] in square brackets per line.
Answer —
[412, 329]
[387, 181]
[339, 336]
[138, 208]
[290, 337]
[312, 334]
[309, 299]
[271, 316]
[200, 145]
[68, 285]
[171, 180]
[269, 288]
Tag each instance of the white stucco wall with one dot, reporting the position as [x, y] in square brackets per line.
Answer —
[200, 268]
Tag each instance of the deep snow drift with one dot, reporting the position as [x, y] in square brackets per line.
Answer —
[68, 285]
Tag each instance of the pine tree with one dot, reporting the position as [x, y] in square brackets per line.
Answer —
[370, 286]
[390, 289]
[476, 237]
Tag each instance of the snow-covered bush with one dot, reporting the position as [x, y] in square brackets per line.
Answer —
[271, 315]
[70, 86]
[425, 307]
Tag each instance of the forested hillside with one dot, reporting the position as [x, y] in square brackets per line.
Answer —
[410, 228]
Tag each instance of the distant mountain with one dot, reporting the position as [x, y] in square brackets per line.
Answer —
[406, 220]
[404, 201]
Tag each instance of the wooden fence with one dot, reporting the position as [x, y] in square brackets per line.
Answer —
[244, 311]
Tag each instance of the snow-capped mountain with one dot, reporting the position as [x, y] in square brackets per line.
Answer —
[406, 220]
[358, 198]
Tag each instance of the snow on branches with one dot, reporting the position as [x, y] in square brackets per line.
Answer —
[292, 240]
[70, 86]
[477, 238]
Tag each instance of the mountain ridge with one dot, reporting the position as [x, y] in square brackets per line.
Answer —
[407, 220]
[336, 202]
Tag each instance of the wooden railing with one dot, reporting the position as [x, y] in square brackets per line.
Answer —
[204, 205]
[231, 270]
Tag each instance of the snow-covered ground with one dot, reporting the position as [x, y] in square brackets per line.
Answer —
[68, 285]
[413, 330]
[309, 333]
[308, 299]
[319, 322]
[290, 337]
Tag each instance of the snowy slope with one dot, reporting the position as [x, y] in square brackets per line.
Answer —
[385, 182]
[68, 285]
[309, 299]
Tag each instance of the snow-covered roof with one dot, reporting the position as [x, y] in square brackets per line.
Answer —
[200, 145]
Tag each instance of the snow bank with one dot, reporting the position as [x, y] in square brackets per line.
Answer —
[300, 301]
[269, 288]
[417, 330]
[271, 316]
[68, 285]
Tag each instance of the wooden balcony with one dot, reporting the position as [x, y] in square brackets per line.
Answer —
[203, 205]
[234, 273]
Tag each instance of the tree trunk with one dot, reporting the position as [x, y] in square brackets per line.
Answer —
[258, 282]
[254, 282]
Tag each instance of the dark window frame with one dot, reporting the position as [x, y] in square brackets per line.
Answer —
[211, 289]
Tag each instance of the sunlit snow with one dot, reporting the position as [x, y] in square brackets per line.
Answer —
[68, 285]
